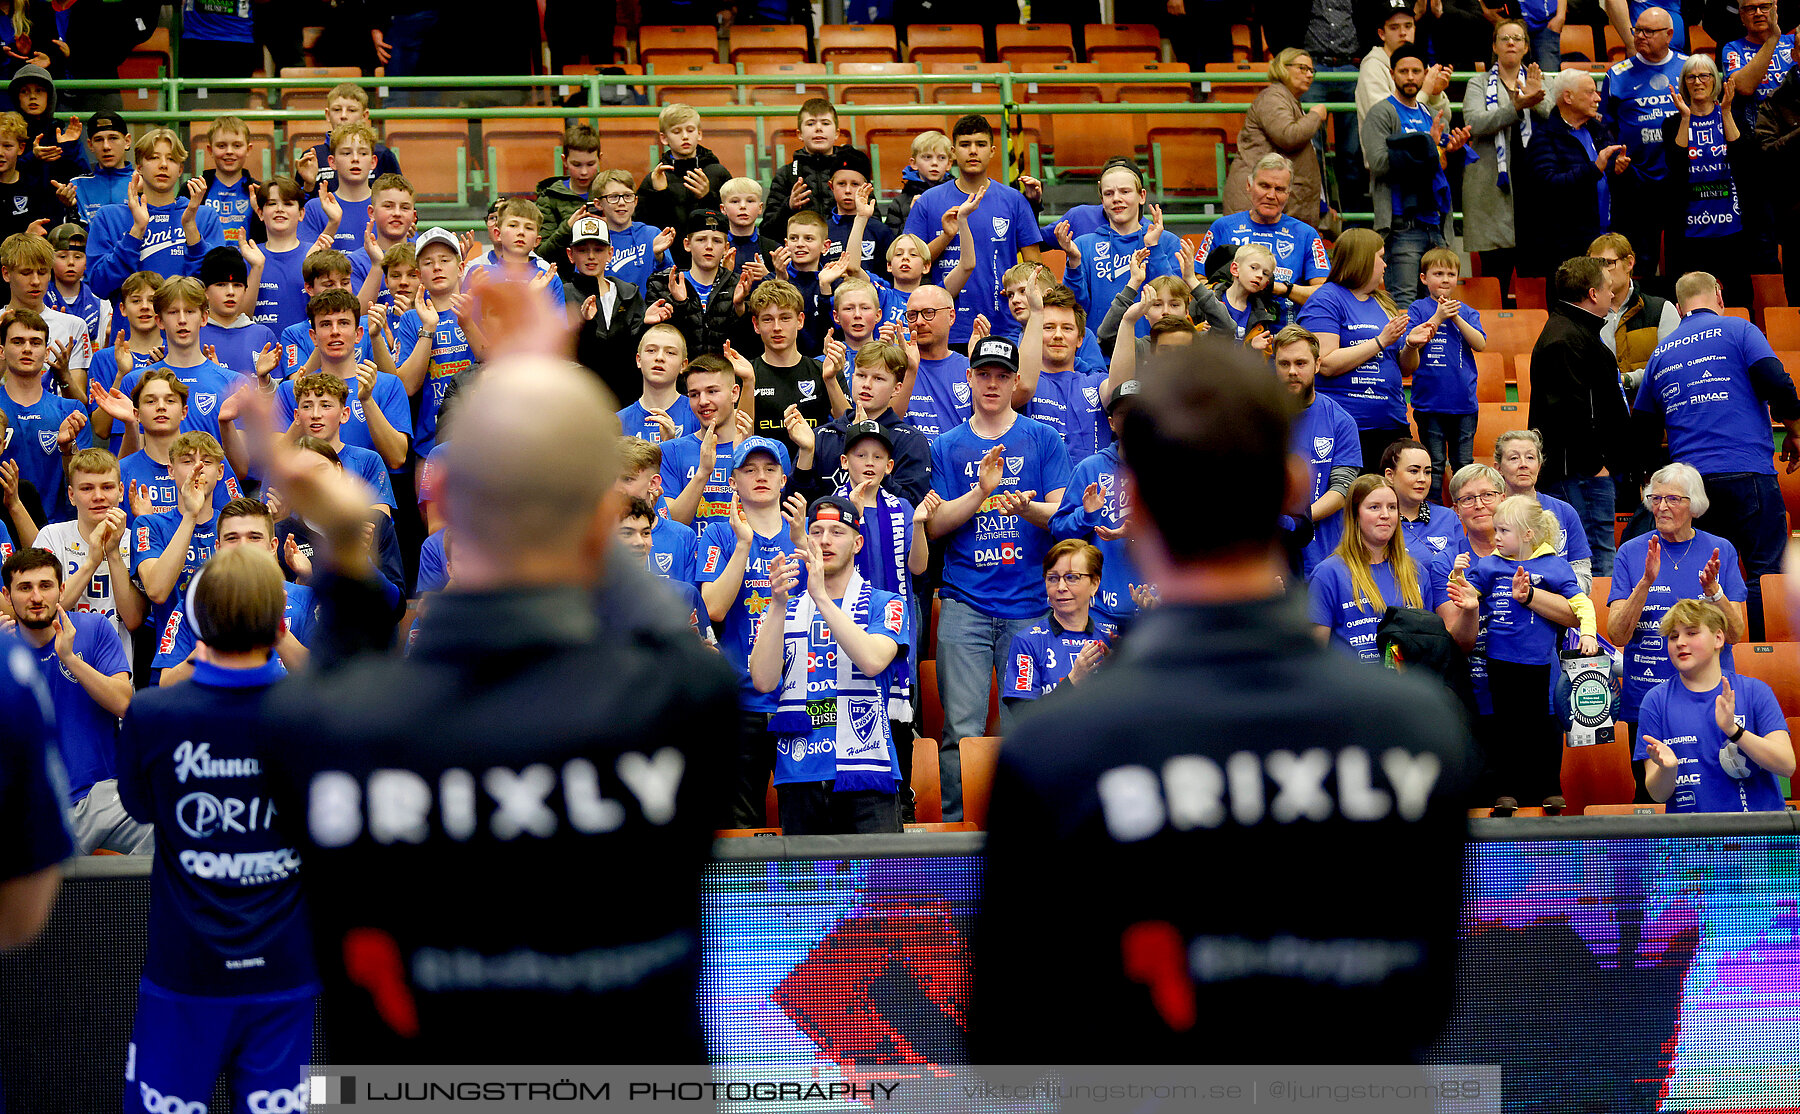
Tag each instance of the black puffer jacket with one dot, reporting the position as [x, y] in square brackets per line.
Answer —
[816, 171]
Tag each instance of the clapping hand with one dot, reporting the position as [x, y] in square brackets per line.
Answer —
[1658, 752]
[1709, 576]
[1087, 661]
[1521, 584]
[1725, 707]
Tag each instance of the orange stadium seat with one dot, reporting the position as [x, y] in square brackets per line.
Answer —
[978, 90]
[1514, 331]
[980, 755]
[311, 98]
[1480, 293]
[1175, 92]
[1598, 590]
[1057, 260]
[945, 42]
[1089, 147]
[721, 94]
[437, 157]
[1232, 93]
[1615, 47]
[894, 93]
[1578, 38]
[1493, 419]
[790, 84]
[1111, 44]
[1528, 292]
[769, 42]
[1766, 291]
[1782, 324]
[850, 42]
[1490, 377]
[1021, 43]
[1699, 42]
[928, 802]
[1185, 155]
[1738, 312]
[1599, 774]
[678, 45]
[1778, 623]
[1776, 664]
[630, 144]
[734, 140]
[1522, 375]
[621, 43]
[1241, 49]
[520, 152]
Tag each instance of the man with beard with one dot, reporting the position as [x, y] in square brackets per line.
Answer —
[1406, 144]
[1324, 436]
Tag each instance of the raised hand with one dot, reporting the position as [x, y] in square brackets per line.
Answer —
[267, 360]
[800, 433]
[663, 242]
[1013, 501]
[980, 327]
[784, 577]
[927, 505]
[1457, 140]
[864, 492]
[663, 422]
[138, 496]
[1392, 331]
[836, 356]
[1521, 584]
[1153, 235]
[296, 560]
[833, 271]
[742, 424]
[659, 177]
[136, 205]
[65, 192]
[196, 194]
[70, 133]
[740, 524]
[1086, 661]
[1709, 576]
[1146, 596]
[71, 428]
[365, 379]
[1093, 499]
[783, 258]
[793, 511]
[1439, 122]
[590, 306]
[659, 311]
[909, 345]
[105, 535]
[1679, 102]
[696, 183]
[193, 498]
[115, 403]
[210, 352]
[678, 286]
[740, 367]
[800, 196]
[1140, 265]
[1463, 594]
[865, 201]
[815, 571]
[1421, 334]
[1725, 707]
[334, 212]
[1652, 562]
[253, 256]
[755, 270]
[64, 628]
[991, 470]
[709, 450]
[1066, 239]
[1031, 187]
[728, 265]
[1658, 752]
[308, 166]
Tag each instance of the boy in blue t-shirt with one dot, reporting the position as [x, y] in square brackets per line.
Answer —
[638, 528]
[157, 228]
[347, 204]
[1443, 389]
[45, 428]
[239, 343]
[1710, 743]
[68, 290]
[168, 547]
[230, 192]
[1005, 226]
[281, 295]
[1001, 476]
[228, 981]
[662, 412]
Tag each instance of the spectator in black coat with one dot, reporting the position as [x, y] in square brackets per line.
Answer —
[1573, 159]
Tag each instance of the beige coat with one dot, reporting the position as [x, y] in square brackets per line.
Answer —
[1277, 124]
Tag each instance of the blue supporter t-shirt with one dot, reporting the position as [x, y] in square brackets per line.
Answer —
[1711, 774]
[1105, 265]
[1647, 661]
[159, 485]
[281, 297]
[635, 420]
[232, 204]
[1516, 633]
[1069, 403]
[297, 612]
[450, 354]
[212, 21]
[1042, 656]
[35, 450]
[1735, 55]
[1445, 380]
[674, 551]
[1439, 569]
[1370, 393]
[681, 459]
[1679, 41]
[389, 394]
[351, 226]
[632, 257]
[993, 562]
[1574, 545]
[1637, 103]
[297, 344]
[1118, 573]
[1698, 381]
[1299, 253]
[85, 732]
[1005, 224]
[1426, 538]
[737, 631]
[1710, 208]
[236, 349]
[434, 566]
[226, 915]
[1332, 603]
[941, 397]
[208, 384]
[1325, 437]
[150, 536]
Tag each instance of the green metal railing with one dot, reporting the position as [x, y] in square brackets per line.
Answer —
[1011, 99]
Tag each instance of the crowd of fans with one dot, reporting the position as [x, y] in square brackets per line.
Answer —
[857, 412]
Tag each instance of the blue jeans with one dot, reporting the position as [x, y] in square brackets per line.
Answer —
[1747, 511]
[408, 38]
[1405, 247]
[1593, 498]
[971, 650]
[1352, 176]
[1546, 50]
[1451, 435]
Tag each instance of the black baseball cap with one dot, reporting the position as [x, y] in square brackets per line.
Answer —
[834, 508]
[1125, 392]
[856, 431]
[705, 220]
[107, 121]
[989, 351]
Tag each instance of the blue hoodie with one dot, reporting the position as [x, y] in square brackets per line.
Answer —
[1106, 265]
[162, 249]
[105, 186]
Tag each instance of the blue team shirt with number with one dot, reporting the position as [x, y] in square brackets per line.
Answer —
[450, 354]
[1371, 392]
[1004, 225]
[1040, 659]
[737, 631]
[35, 450]
[1647, 661]
[1325, 437]
[1299, 253]
[159, 485]
[1698, 380]
[150, 536]
[994, 562]
[635, 420]
[681, 459]
[1711, 774]
[1445, 380]
[232, 204]
[941, 396]
[85, 732]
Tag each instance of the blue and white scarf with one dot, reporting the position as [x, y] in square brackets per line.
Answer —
[887, 539]
[843, 734]
[1503, 137]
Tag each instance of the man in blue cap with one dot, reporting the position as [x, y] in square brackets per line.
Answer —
[737, 556]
